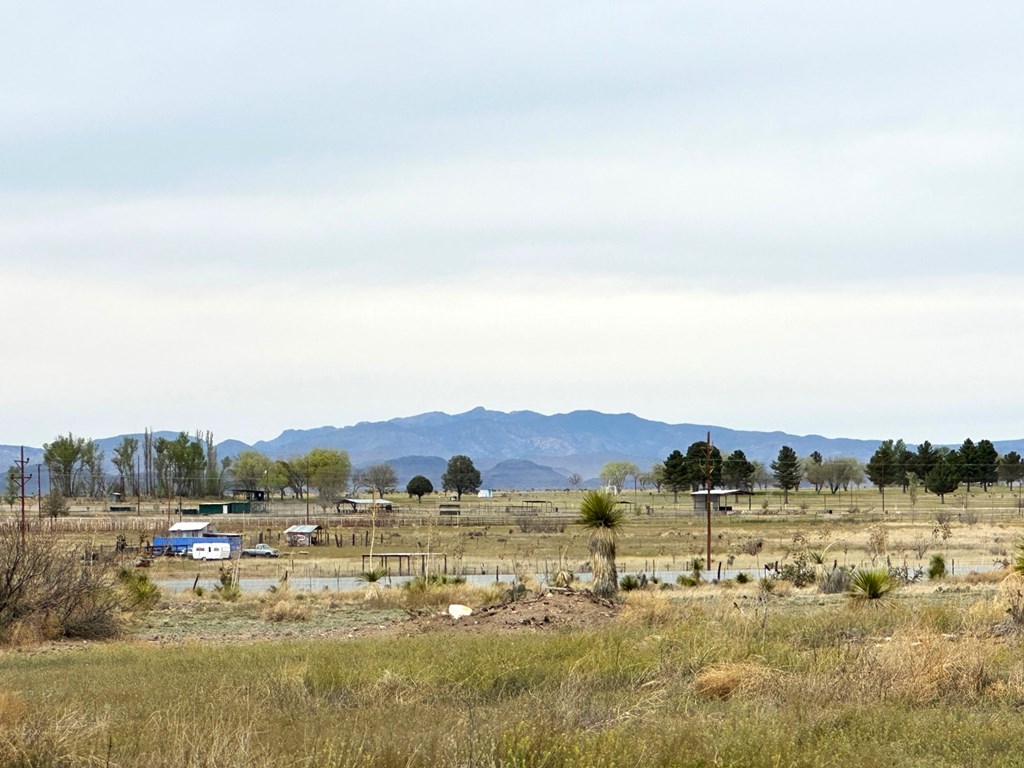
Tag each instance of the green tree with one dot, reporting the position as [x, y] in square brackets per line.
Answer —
[657, 475]
[945, 475]
[986, 457]
[814, 471]
[419, 487]
[1011, 469]
[760, 476]
[787, 471]
[381, 478]
[329, 472]
[737, 472]
[55, 505]
[614, 474]
[12, 488]
[63, 459]
[841, 471]
[882, 468]
[906, 461]
[697, 465]
[601, 515]
[94, 481]
[297, 473]
[250, 469]
[186, 464]
[969, 470]
[124, 463]
[461, 476]
[675, 474]
[926, 459]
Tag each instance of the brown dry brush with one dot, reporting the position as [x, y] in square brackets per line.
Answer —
[49, 591]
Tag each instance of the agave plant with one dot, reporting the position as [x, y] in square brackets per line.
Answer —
[871, 584]
[602, 516]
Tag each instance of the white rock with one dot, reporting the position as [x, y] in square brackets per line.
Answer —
[457, 611]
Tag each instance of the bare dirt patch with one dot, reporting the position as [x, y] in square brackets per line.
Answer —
[547, 611]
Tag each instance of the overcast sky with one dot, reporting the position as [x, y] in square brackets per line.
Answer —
[248, 216]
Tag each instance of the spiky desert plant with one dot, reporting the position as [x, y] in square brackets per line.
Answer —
[871, 584]
[604, 519]
[372, 579]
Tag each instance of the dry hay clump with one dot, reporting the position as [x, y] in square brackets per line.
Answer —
[720, 681]
[650, 609]
[921, 668]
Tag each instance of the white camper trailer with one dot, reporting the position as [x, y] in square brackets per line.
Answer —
[215, 550]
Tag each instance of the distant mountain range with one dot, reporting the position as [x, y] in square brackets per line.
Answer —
[522, 449]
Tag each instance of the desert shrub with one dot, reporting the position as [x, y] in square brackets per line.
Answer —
[834, 582]
[799, 573]
[937, 567]
[752, 546]
[871, 584]
[140, 593]
[685, 580]
[48, 591]
[629, 582]
[288, 610]
[742, 578]
[227, 587]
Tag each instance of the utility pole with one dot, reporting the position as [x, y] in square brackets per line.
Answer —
[22, 479]
[709, 468]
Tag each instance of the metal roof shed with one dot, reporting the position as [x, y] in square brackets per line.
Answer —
[193, 528]
[302, 535]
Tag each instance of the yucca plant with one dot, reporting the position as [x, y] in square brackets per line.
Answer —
[372, 579]
[871, 584]
[604, 519]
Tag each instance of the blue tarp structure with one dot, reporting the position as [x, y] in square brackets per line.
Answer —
[183, 544]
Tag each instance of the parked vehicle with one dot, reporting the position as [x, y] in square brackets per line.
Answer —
[260, 550]
[211, 551]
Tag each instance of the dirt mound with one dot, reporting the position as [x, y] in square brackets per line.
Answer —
[546, 611]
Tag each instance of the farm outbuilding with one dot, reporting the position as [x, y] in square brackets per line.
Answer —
[719, 499]
[225, 508]
[181, 536]
[302, 535]
[365, 505]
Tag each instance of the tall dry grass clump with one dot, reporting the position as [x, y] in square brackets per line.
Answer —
[650, 609]
[720, 681]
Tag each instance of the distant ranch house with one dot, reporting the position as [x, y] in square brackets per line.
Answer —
[719, 499]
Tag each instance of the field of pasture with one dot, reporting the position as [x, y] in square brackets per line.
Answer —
[761, 673]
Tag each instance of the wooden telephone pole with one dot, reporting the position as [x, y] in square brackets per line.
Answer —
[22, 479]
[709, 468]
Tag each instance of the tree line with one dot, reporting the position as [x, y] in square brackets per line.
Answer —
[939, 470]
[187, 466]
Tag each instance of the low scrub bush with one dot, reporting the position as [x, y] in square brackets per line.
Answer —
[834, 582]
[48, 591]
[140, 593]
[937, 567]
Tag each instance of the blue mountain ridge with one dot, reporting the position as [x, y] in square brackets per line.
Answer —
[521, 449]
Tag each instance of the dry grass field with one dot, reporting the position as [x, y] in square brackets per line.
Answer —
[763, 673]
